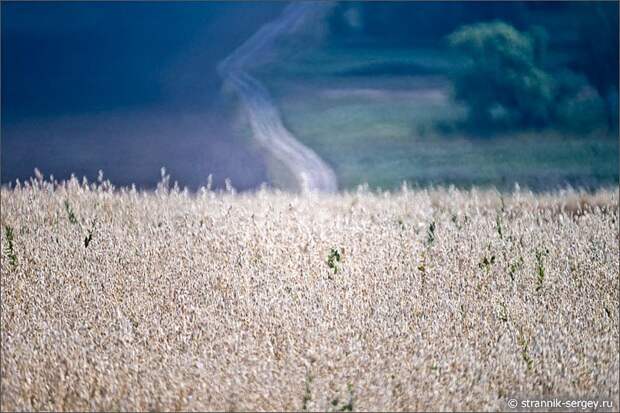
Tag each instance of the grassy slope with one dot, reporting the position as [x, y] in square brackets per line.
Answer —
[379, 127]
[221, 302]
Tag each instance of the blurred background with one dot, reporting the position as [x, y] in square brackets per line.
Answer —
[431, 93]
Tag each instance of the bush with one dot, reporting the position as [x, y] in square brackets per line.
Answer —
[578, 106]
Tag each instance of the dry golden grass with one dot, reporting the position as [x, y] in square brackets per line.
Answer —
[226, 302]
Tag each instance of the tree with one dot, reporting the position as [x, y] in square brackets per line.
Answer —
[597, 31]
[503, 82]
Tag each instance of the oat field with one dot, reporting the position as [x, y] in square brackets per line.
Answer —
[116, 299]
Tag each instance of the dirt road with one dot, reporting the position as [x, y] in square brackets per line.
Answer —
[310, 171]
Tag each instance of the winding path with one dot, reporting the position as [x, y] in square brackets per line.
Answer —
[310, 171]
